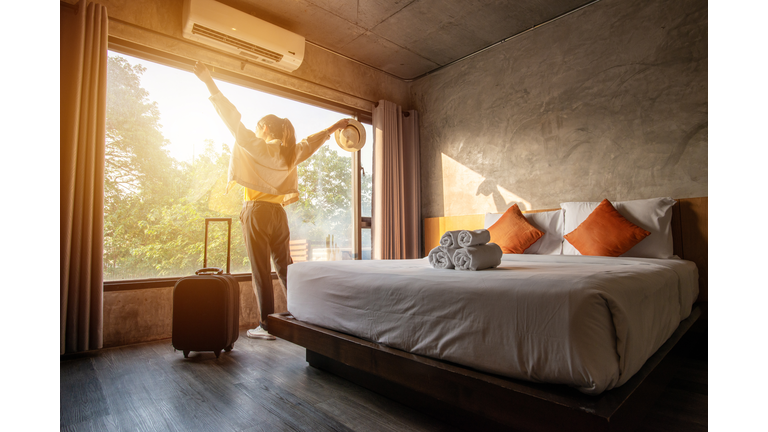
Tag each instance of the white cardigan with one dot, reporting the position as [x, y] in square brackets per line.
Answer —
[256, 164]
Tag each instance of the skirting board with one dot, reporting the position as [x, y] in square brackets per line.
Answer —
[471, 399]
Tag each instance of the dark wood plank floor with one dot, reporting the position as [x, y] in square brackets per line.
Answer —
[683, 405]
[268, 386]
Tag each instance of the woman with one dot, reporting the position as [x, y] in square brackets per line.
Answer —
[264, 163]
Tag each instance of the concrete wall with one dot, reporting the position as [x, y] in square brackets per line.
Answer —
[144, 315]
[157, 24]
[608, 102]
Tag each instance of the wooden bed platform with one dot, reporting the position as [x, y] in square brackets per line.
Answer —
[474, 400]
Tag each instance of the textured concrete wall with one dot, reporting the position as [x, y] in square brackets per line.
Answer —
[145, 315]
[608, 102]
[157, 24]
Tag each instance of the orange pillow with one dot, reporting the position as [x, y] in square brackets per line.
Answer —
[605, 232]
[513, 233]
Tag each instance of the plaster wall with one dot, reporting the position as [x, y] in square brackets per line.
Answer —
[157, 24]
[135, 316]
[607, 102]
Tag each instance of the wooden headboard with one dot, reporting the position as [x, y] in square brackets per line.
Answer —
[689, 233]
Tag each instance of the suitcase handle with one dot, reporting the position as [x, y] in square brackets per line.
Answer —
[229, 236]
[209, 271]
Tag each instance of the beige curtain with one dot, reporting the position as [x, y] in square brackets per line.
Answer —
[83, 80]
[396, 207]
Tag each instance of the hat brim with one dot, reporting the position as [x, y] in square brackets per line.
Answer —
[351, 145]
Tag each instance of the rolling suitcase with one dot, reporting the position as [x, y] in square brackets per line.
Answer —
[206, 307]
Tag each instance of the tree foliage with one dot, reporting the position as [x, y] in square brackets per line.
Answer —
[155, 206]
[325, 188]
[136, 158]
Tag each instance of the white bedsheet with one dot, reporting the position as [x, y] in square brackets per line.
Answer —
[588, 322]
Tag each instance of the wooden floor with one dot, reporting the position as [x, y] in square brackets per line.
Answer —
[268, 386]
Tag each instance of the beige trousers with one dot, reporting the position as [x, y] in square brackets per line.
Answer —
[266, 234]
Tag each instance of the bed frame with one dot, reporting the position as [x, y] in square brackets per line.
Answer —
[474, 400]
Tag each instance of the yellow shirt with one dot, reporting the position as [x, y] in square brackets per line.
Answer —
[252, 195]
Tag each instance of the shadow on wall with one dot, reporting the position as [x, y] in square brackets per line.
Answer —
[468, 192]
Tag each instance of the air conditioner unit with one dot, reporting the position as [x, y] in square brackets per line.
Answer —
[228, 29]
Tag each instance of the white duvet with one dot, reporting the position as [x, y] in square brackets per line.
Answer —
[588, 322]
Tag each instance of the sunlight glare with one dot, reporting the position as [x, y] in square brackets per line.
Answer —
[188, 118]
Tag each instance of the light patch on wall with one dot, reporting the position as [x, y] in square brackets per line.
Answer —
[468, 192]
[510, 198]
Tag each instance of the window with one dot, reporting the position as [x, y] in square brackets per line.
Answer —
[167, 154]
[366, 193]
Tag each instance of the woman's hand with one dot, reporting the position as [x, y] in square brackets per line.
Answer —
[205, 76]
[201, 71]
[339, 125]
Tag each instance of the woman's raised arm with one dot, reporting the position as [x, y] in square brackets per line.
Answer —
[201, 71]
[339, 125]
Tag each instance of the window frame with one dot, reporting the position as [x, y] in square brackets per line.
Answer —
[132, 49]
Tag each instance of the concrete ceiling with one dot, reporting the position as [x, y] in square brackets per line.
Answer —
[406, 38]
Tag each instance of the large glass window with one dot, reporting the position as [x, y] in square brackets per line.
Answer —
[366, 192]
[166, 166]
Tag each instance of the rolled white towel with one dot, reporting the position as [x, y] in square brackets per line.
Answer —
[477, 257]
[473, 238]
[450, 239]
[442, 257]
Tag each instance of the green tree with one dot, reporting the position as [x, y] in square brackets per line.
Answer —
[325, 198]
[173, 234]
[136, 158]
[155, 206]
[366, 193]
[137, 165]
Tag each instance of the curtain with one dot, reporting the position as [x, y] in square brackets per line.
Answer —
[396, 207]
[83, 76]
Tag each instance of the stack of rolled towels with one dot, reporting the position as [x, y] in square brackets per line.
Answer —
[466, 250]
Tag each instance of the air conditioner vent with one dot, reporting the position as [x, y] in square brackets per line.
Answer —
[256, 58]
[237, 43]
[226, 29]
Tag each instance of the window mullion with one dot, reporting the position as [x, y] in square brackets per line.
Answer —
[356, 204]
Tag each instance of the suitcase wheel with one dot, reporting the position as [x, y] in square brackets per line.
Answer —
[218, 353]
[229, 348]
[186, 353]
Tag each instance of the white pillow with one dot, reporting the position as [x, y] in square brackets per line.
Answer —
[550, 223]
[654, 215]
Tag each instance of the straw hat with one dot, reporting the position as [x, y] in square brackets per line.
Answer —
[352, 137]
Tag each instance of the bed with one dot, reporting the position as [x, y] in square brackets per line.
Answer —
[543, 341]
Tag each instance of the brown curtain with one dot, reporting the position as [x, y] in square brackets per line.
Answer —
[396, 207]
[83, 76]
